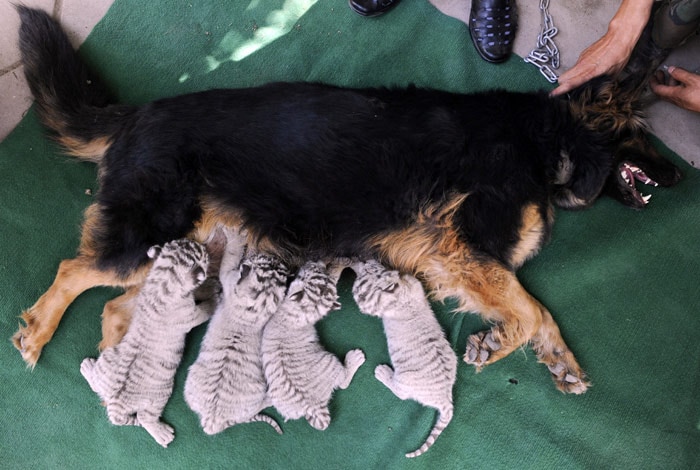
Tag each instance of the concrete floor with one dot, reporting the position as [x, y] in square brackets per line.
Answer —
[580, 24]
[78, 16]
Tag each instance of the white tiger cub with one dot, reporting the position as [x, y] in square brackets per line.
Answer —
[300, 373]
[135, 378]
[425, 365]
[226, 384]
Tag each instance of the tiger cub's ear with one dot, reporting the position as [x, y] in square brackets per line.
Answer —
[200, 274]
[244, 271]
[295, 294]
[389, 281]
[390, 287]
[154, 251]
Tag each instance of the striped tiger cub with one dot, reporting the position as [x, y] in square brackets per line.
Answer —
[300, 373]
[226, 384]
[425, 365]
[135, 378]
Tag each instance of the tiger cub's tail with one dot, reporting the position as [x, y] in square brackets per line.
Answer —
[444, 419]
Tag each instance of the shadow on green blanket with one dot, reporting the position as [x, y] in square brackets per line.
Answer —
[622, 285]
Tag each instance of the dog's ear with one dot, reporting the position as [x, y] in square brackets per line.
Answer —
[584, 166]
[584, 186]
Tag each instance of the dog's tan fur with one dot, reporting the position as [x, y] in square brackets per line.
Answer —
[80, 274]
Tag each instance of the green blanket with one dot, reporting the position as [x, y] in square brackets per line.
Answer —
[623, 285]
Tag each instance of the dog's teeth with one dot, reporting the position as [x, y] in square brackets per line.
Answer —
[646, 198]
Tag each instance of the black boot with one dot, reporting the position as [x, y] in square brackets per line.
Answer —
[492, 27]
[371, 7]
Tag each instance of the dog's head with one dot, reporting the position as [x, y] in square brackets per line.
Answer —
[612, 109]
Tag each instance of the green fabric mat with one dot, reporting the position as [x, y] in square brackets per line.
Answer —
[622, 285]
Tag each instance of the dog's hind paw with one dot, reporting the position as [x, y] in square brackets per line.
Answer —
[23, 341]
[480, 350]
[567, 379]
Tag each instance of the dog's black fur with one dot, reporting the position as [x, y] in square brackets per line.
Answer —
[316, 169]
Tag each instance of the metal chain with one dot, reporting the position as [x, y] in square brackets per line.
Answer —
[546, 55]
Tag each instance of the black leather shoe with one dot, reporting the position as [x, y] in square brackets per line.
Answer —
[492, 27]
[371, 7]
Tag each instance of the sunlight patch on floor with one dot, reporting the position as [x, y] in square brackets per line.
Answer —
[235, 46]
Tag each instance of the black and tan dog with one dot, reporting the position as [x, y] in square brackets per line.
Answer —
[457, 189]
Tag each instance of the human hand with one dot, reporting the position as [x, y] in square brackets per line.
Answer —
[605, 56]
[682, 88]
[610, 53]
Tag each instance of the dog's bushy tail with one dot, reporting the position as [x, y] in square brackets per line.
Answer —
[70, 100]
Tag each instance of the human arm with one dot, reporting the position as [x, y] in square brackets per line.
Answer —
[610, 53]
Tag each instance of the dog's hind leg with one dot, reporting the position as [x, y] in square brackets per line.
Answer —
[499, 297]
[41, 320]
[552, 351]
[74, 277]
[433, 250]
[495, 293]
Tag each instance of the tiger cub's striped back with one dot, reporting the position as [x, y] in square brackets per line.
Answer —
[425, 365]
[300, 373]
[226, 384]
[135, 378]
